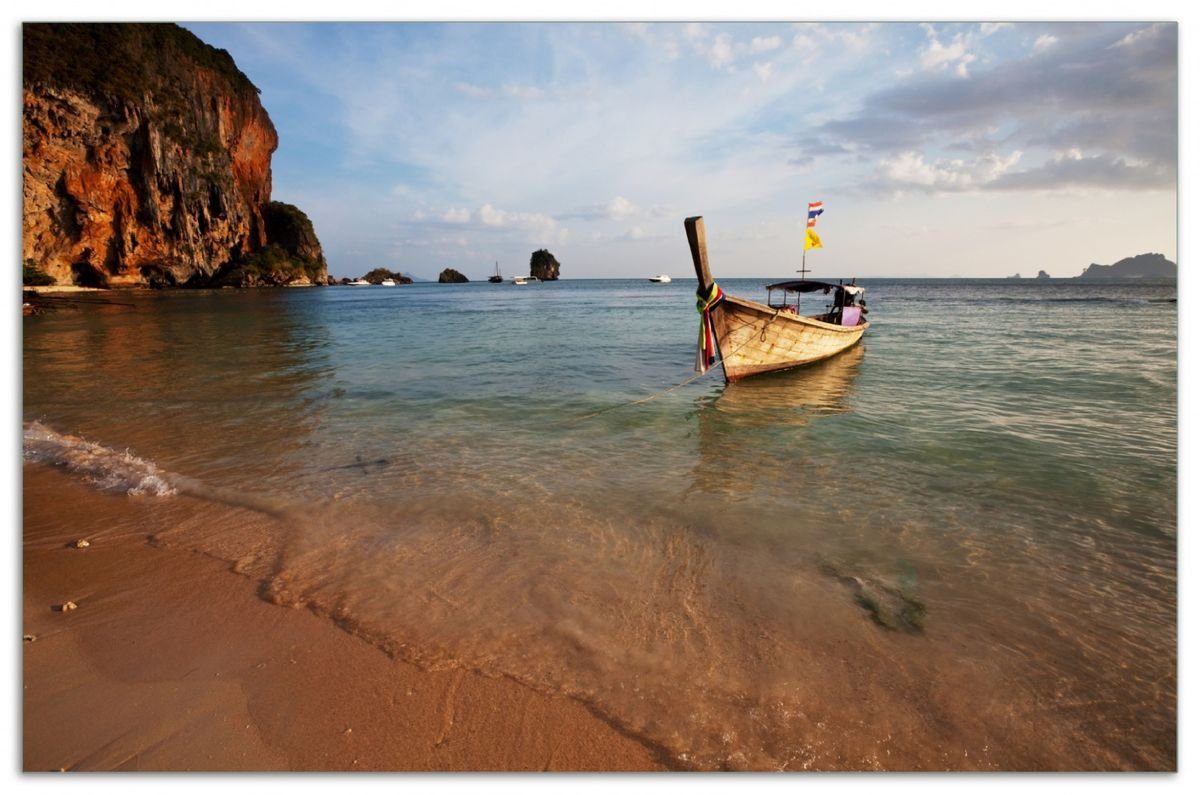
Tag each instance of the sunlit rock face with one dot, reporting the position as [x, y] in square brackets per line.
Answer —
[147, 161]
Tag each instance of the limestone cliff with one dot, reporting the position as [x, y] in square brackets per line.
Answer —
[543, 265]
[147, 161]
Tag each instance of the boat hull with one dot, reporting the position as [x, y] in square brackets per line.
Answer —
[753, 338]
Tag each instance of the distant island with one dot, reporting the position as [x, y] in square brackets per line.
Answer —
[378, 275]
[451, 276]
[543, 266]
[1143, 266]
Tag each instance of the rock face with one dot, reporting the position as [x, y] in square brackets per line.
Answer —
[543, 265]
[1142, 266]
[451, 276]
[1042, 275]
[147, 162]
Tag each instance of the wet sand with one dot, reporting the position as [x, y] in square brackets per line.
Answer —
[171, 661]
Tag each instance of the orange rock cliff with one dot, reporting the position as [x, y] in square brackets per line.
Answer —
[147, 162]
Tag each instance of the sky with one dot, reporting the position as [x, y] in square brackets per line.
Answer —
[948, 149]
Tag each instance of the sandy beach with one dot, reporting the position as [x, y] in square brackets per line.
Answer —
[171, 661]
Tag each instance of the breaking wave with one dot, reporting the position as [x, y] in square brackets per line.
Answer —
[106, 468]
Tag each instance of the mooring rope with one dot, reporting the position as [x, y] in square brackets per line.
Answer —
[685, 381]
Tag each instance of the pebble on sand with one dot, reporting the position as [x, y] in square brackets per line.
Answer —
[65, 606]
[80, 543]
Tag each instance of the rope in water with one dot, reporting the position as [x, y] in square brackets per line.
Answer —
[684, 382]
[607, 409]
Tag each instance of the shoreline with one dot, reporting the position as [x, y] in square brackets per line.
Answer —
[173, 662]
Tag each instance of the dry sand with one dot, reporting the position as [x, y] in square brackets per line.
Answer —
[172, 662]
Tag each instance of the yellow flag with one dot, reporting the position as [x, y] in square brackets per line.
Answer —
[811, 240]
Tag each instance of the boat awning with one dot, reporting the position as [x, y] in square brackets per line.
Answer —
[809, 286]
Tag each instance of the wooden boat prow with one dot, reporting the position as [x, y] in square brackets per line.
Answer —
[754, 338]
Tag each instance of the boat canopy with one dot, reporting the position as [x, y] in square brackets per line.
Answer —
[809, 286]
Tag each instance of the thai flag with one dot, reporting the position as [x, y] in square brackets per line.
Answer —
[814, 209]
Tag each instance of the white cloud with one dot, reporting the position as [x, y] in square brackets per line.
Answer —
[911, 170]
[938, 56]
[858, 39]
[523, 92]
[765, 43]
[639, 29]
[637, 233]
[471, 90]
[542, 228]
[456, 215]
[493, 217]
[764, 70]
[720, 52]
[803, 41]
[988, 28]
[1044, 42]
[1139, 36]
[620, 208]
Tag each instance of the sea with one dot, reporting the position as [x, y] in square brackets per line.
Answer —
[953, 546]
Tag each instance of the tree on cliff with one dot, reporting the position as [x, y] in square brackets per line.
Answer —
[543, 265]
[451, 276]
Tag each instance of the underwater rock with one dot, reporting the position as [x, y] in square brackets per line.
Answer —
[888, 606]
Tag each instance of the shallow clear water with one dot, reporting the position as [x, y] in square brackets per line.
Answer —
[952, 546]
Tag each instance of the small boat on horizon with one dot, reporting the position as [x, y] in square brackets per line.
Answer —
[525, 279]
[496, 278]
[751, 338]
[661, 278]
[360, 283]
[388, 283]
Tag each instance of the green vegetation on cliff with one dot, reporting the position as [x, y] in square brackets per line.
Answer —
[293, 255]
[33, 276]
[120, 60]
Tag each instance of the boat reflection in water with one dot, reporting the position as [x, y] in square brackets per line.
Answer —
[768, 418]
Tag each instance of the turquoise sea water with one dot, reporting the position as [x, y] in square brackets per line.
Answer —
[952, 546]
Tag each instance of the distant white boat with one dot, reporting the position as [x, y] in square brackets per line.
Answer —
[661, 278]
[525, 279]
[388, 283]
[360, 283]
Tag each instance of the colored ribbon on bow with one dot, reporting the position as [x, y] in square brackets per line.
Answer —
[706, 346]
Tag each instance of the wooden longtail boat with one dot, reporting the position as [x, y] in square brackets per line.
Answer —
[753, 338]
